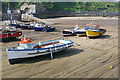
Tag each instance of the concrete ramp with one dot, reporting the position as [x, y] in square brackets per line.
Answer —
[30, 18]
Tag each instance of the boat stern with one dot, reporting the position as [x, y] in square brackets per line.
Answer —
[92, 33]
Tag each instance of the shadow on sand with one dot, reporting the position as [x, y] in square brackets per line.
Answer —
[57, 55]
[10, 40]
[102, 37]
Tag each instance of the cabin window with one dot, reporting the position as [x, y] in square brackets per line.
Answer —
[22, 45]
[26, 45]
[29, 45]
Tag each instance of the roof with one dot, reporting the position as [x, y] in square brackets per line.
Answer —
[25, 40]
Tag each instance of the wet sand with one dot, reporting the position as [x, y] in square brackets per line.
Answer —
[84, 60]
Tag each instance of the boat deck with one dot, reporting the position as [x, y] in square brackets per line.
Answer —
[49, 45]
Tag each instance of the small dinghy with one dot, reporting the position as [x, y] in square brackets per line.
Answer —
[27, 49]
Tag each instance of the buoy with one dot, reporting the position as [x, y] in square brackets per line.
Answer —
[97, 58]
[111, 67]
[67, 37]
[104, 61]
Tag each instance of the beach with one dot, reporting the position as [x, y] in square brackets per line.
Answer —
[88, 58]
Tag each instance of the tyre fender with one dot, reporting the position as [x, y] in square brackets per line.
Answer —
[9, 34]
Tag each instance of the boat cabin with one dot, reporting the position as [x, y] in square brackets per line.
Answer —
[93, 27]
[25, 44]
[0, 30]
[77, 27]
[11, 28]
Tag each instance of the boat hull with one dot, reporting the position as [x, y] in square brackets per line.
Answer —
[38, 28]
[16, 25]
[10, 35]
[81, 33]
[26, 27]
[68, 32]
[50, 29]
[95, 33]
[14, 54]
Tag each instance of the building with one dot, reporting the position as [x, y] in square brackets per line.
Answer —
[32, 8]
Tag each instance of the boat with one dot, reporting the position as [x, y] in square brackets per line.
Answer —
[39, 27]
[26, 26]
[9, 33]
[67, 32]
[45, 28]
[49, 29]
[76, 31]
[13, 23]
[16, 25]
[34, 23]
[27, 49]
[95, 31]
[79, 31]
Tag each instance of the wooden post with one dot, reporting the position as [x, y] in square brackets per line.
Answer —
[51, 53]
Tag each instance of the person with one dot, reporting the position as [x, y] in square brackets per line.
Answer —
[77, 27]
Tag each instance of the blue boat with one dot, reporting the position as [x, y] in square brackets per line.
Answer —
[40, 27]
[49, 29]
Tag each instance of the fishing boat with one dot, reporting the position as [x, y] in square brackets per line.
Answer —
[67, 32]
[39, 27]
[45, 28]
[34, 23]
[13, 23]
[26, 26]
[95, 31]
[49, 29]
[77, 30]
[9, 33]
[16, 25]
[27, 49]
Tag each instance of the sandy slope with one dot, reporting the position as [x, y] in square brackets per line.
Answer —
[80, 61]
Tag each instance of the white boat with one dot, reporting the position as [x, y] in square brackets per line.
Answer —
[27, 49]
[67, 32]
[34, 23]
[77, 30]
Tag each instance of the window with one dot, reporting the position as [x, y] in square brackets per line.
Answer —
[22, 45]
[29, 45]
